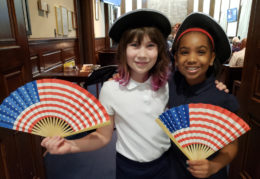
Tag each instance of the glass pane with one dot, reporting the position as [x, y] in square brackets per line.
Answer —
[139, 4]
[234, 4]
[217, 10]
[128, 5]
[196, 6]
[223, 16]
[206, 4]
[6, 32]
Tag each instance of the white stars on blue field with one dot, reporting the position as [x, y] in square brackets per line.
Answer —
[17, 102]
[176, 118]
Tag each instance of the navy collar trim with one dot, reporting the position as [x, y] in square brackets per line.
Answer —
[195, 89]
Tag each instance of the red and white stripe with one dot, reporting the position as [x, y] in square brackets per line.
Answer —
[212, 126]
[64, 100]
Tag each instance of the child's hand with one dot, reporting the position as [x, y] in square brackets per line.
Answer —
[57, 145]
[115, 76]
[200, 168]
[221, 86]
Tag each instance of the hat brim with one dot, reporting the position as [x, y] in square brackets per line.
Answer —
[140, 18]
[200, 20]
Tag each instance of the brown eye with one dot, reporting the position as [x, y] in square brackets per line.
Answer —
[183, 52]
[151, 45]
[133, 44]
[201, 52]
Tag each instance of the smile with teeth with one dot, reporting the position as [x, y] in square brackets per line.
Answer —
[192, 69]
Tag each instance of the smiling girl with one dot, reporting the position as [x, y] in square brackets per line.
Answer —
[134, 101]
[200, 47]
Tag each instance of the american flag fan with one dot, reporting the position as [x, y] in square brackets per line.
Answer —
[200, 129]
[52, 107]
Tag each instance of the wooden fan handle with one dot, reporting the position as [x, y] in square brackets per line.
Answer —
[173, 139]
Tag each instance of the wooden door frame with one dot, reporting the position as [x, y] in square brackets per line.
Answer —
[246, 163]
[85, 30]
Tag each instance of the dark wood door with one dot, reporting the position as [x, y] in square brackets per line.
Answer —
[20, 154]
[14, 53]
[247, 163]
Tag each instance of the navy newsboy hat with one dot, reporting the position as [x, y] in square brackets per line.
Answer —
[204, 21]
[140, 18]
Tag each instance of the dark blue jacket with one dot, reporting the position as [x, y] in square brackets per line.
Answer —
[205, 92]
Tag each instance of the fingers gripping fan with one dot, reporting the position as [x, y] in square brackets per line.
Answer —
[52, 107]
[199, 129]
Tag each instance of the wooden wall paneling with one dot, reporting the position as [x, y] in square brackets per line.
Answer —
[3, 169]
[248, 153]
[246, 164]
[48, 54]
[235, 172]
[68, 54]
[40, 62]
[236, 87]
[7, 58]
[107, 57]
[100, 43]
[13, 79]
[25, 155]
[12, 71]
[76, 53]
[34, 60]
[252, 149]
[45, 45]
[229, 74]
[51, 59]
[29, 150]
[19, 155]
[256, 87]
[37, 150]
[9, 155]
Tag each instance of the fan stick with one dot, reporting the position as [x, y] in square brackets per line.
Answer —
[200, 129]
[192, 152]
[52, 126]
[199, 151]
[185, 151]
[43, 109]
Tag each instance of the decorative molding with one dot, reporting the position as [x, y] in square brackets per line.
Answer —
[50, 54]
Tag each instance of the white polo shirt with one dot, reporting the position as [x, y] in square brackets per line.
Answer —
[135, 108]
